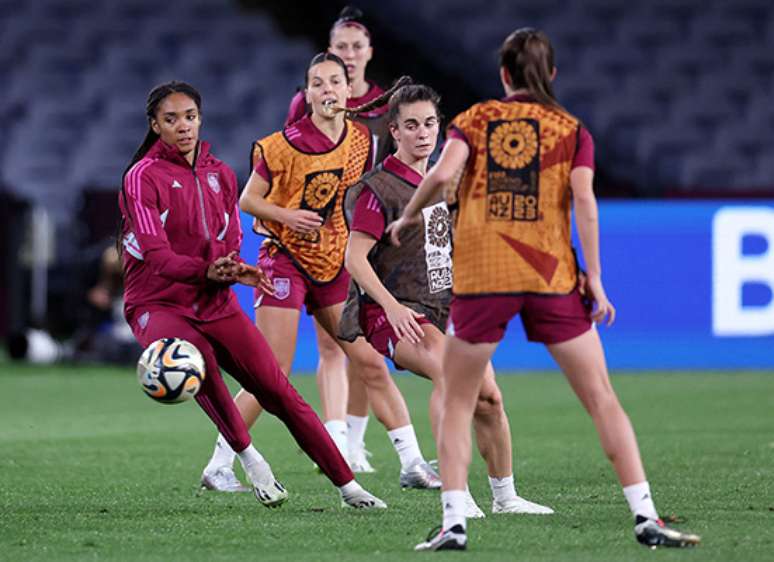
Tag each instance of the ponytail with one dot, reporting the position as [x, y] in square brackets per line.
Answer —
[528, 57]
[379, 101]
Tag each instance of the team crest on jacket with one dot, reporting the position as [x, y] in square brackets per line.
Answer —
[213, 181]
[281, 288]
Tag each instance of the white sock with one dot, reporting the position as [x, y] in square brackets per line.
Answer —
[250, 457]
[503, 489]
[337, 429]
[356, 429]
[351, 487]
[405, 442]
[453, 503]
[223, 455]
[640, 501]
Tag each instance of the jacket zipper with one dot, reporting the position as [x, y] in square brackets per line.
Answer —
[201, 203]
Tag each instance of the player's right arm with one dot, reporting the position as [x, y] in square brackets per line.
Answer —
[367, 228]
[253, 201]
[401, 318]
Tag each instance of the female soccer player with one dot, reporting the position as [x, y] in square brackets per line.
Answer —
[295, 192]
[181, 234]
[350, 39]
[525, 161]
[406, 290]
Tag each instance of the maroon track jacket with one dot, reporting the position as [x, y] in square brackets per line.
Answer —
[178, 219]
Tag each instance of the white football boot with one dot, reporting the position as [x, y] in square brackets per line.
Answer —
[472, 511]
[358, 461]
[266, 488]
[361, 499]
[520, 505]
[222, 479]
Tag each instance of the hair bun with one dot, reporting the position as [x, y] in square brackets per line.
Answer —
[350, 13]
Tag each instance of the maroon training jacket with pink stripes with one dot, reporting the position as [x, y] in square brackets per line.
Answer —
[177, 220]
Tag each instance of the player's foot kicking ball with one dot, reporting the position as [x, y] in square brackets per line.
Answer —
[520, 505]
[222, 479]
[420, 475]
[654, 533]
[266, 488]
[449, 539]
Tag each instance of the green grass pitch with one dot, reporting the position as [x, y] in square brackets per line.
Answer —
[90, 469]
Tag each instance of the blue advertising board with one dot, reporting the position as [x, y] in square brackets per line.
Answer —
[693, 283]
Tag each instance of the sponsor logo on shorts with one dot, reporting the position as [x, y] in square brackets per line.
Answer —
[143, 320]
[281, 288]
[213, 181]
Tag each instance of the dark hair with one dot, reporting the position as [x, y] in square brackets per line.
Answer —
[155, 97]
[368, 106]
[350, 17]
[412, 93]
[528, 57]
[322, 57]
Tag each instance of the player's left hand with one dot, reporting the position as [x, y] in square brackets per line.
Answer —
[594, 290]
[254, 277]
[224, 269]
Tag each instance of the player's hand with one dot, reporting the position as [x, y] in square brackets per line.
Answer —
[603, 308]
[254, 277]
[224, 269]
[404, 321]
[301, 220]
[395, 228]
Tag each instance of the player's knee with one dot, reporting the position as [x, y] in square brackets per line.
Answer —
[489, 405]
[372, 371]
[602, 402]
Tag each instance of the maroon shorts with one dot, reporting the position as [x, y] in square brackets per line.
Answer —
[546, 318]
[378, 331]
[292, 289]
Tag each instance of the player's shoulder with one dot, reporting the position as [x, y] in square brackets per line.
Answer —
[474, 111]
[146, 170]
[276, 136]
[360, 128]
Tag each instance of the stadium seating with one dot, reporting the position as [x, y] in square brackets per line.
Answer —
[77, 73]
[677, 93]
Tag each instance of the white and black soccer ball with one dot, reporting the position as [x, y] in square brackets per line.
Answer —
[171, 370]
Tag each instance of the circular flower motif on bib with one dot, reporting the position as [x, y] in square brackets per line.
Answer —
[321, 189]
[513, 145]
[438, 227]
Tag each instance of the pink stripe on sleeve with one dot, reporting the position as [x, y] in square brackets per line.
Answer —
[130, 186]
[143, 213]
[142, 216]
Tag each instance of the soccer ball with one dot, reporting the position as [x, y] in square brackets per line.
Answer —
[171, 370]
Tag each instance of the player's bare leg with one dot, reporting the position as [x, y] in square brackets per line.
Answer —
[463, 371]
[357, 422]
[386, 400]
[582, 360]
[333, 386]
[493, 433]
